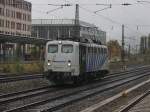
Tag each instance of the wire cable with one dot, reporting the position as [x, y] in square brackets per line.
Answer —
[107, 18]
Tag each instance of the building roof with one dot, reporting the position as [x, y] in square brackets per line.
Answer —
[63, 22]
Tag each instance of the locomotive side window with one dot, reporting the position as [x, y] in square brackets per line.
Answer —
[52, 48]
[105, 51]
[67, 48]
[101, 50]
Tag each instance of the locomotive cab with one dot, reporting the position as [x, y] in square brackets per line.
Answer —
[70, 61]
[61, 61]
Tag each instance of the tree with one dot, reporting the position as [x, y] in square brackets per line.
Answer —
[114, 49]
[143, 44]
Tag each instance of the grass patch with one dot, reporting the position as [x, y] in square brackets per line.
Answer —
[32, 67]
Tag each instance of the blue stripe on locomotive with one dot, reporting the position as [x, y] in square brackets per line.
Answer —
[95, 61]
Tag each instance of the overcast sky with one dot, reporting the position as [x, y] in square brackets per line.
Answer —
[131, 16]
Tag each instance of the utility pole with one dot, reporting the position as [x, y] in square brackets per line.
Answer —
[122, 50]
[129, 51]
[77, 15]
[137, 51]
[77, 24]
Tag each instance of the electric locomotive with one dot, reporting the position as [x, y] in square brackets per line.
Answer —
[70, 61]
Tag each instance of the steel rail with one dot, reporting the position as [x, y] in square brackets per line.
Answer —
[131, 69]
[44, 90]
[134, 102]
[7, 79]
[1, 76]
[37, 89]
[19, 78]
[23, 92]
[125, 72]
[28, 95]
[67, 100]
[71, 97]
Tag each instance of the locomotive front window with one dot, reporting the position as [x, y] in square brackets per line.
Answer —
[53, 48]
[67, 48]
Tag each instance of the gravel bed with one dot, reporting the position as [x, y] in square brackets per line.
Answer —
[45, 96]
[81, 105]
[142, 106]
[16, 86]
[25, 84]
[36, 83]
[34, 99]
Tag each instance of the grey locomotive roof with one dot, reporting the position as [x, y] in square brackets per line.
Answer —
[73, 42]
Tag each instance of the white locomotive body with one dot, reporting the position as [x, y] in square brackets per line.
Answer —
[67, 61]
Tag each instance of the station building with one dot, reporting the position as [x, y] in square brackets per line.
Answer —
[15, 20]
[54, 29]
[15, 17]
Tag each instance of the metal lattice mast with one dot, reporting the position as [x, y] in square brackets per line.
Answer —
[77, 24]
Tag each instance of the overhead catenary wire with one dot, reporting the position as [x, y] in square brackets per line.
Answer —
[102, 16]
[103, 9]
[113, 21]
[134, 30]
[107, 18]
[54, 10]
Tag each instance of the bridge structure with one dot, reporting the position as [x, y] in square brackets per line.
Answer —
[15, 46]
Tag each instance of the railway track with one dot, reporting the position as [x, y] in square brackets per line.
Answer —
[127, 71]
[38, 89]
[19, 78]
[8, 78]
[130, 69]
[72, 95]
[2, 76]
[68, 99]
[134, 102]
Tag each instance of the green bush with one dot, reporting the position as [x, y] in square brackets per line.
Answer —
[6, 68]
[19, 68]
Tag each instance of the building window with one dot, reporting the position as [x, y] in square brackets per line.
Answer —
[7, 24]
[18, 26]
[12, 25]
[27, 6]
[29, 17]
[24, 27]
[2, 11]
[24, 17]
[18, 14]
[29, 28]
[2, 1]
[13, 14]
[1, 23]
[7, 12]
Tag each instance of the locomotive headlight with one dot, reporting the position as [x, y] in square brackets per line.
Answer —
[49, 63]
[69, 64]
[60, 42]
